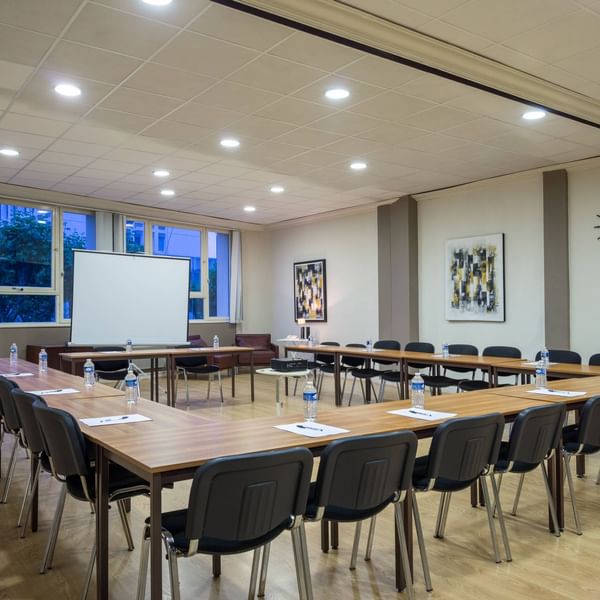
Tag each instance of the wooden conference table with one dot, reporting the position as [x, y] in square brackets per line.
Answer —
[170, 355]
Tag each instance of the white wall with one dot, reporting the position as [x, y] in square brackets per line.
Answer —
[584, 259]
[349, 245]
[509, 205]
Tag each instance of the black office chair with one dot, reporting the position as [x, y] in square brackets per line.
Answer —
[462, 452]
[473, 385]
[326, 364]
[594, 360]
[237, 504]
[396, 376]
[69, 454]
[534, 435]
[197, 365]
[10, 425]
[580, 439]
[111, 370]
[350, 364]
[560, 356]
[369, 373]
[438, 382]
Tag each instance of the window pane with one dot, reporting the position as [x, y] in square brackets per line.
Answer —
[196, 308]
[25, 246]
[175, 241]
[27, 309]
[134, 237]
[218, 274]
[79, 232]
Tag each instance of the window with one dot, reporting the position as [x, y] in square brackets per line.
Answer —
[31, 287]
[209, 279]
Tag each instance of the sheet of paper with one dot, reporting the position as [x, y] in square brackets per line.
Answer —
[442, 356]
[115, 420]
[54, 392]
[563, 394]
[423, 414]
[533, 363]
[311, 429]
[16, 374]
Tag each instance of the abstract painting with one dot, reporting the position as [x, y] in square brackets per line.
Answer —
[310, 297]
[474, 273]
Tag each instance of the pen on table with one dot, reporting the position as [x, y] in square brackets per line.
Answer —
[308, 427]
[420, 412]
[52, 391]
[112, 420]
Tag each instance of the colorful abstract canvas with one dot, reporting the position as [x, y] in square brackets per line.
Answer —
[474, 272]
[310, 296]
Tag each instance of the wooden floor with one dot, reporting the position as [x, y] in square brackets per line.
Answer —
[462, 566]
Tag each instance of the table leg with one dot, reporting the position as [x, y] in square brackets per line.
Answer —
[252, 376]
[155, 537]
[233, 380]
[335, 534]
[493, 377]
[277, 386]
[556, 478]
[324, 535]
[286, 379]
[336, 379]
[404, 377]
[407, 518]
[368, 384]
[101, 524]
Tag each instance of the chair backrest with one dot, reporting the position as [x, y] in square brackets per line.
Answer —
[594, 360]
[189, 362]
[353, 362]
[64, 442]
[8, 412]
[461, 449]
[110, 365]
[502, 351]
[589, 424]
[363, 473]
[248, 497]
[386, 345]
[24, 402]
[326, 359]
[424, 347]
[535, 432]
[562, 356]
[467, 349]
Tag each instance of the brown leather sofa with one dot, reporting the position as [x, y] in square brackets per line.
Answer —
[223, 361]
[264, 350]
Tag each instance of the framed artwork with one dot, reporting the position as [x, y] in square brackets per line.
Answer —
[474, 272]
[310, 294]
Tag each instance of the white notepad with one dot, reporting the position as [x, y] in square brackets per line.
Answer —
[16, 374]
[115, 420]
[423, 414]
[54, 392]
[562, 393]
[311, 429]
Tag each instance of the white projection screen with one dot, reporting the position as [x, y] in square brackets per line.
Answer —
[117, 297]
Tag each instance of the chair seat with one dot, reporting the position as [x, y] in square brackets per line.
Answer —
[473, 385]
[112, 375]
[366, 373]
[441, 381]
[174, 522]
[421, 482]
[392, 376]
[517, 466]
[570, 437]
[201, 369]
[119, 478]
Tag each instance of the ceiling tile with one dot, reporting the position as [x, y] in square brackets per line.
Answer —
[204, 116]
[455, 35]
[584, 64]
[295, 111]
[59, 171]
[85, 132]
[479, 130]
[390, 133]
[204, 55]
[140, 103]
[347, 123]
[76, 160]
[170, 130]
[24, 140]
[433, 88]
[36, 179]
[80, 148]
[259, 128]
[23, 47]
[380, 72]
[160, 79]
[392, 11]
[103, 27]
[359, 91]
[6, 97]
[178, 13]
[224, 170]
[29, 124]
[433, 143]
[439, 118]
[240, 28]
[276, 75]
[353, 146]
[13, 75]
[318, 158]
[392, 106]
[45, 17]
[120, 122]
[233, 96]
[116, 166]
[309, 138]
[145, 143]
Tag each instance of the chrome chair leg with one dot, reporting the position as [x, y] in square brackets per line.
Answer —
[488, 509]
[362, 391]
[351, 391]
[263, 570]
[551, 505]
[518, 495]
[442, 517]
[370, 538]
[125, 523]
[567, 459]
[187, 388]
[355, 545]
[598, 478]
[254, 574]
[33, 489]
[295, 386]
[498, 507]
[438, 521]
[173, 571]
[53, 534]
[25, 497]
[344, 385]
[381, 389]
[208, 390]
[144, 556]
[410, 592]
[10, 472]
[373, 390]
[305, 563]
[299, 562]
[89, 572]
[421, 542]
[499, 483]
[220, 385]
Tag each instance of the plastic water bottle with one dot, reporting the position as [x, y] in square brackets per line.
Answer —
[417, 391]
[216, 341]
[545, 356]
[445, 350]
[43, 361]
[89, 373]
[13, 352]
[129, 346]
[131, 387]
[310, 401]
[369, 345]
[540, 375]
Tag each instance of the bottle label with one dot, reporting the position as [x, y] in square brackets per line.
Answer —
[88, 369]
[131, 383]
[418, 386]
[310, 396]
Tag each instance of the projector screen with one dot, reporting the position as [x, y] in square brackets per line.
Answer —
[117, 297]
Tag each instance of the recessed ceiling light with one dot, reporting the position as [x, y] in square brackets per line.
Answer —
[161, 173]
[167, 192]
[230, 143]
[358, 165]
[157, 2]
[277, 189]
[337, 94]
[534, 115]
[9, 152]
[67, 89]
[249, 208]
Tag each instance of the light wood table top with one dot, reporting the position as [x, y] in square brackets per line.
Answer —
[152, 352]
[565, 369]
